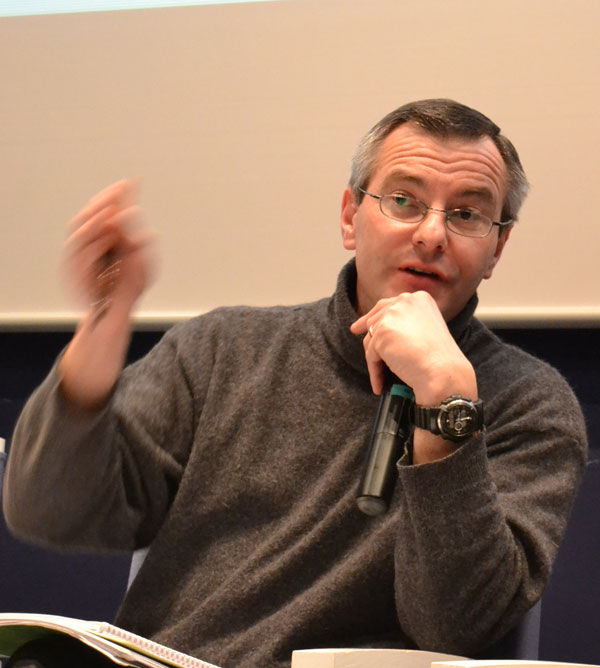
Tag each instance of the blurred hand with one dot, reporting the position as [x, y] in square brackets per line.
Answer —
[109, 253]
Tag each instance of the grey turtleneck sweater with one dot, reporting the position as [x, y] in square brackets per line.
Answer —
[235, 449]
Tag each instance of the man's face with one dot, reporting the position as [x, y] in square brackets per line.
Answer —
[394, 257]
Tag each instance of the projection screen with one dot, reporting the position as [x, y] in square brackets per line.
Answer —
[241, 120]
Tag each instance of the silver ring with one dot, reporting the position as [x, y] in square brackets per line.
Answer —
[371, 331]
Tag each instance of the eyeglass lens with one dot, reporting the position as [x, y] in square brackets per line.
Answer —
[409, 210]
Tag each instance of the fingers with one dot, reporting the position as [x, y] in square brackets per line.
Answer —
[109, 228]
[375, 365]
[399, 334]
[103, 215]
[367, 325]
[96, 232]
[362, 324]
[84, 250]
[408, 335]
[119, 195]
[376, 368]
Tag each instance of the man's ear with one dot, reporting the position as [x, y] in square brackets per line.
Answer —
[502, 239]
[349, 208]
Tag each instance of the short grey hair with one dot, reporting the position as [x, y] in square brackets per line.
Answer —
[441, 118]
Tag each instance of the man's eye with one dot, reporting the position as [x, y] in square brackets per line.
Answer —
[468, 214]
[404, 201]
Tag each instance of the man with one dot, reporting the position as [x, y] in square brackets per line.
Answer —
[234, 449]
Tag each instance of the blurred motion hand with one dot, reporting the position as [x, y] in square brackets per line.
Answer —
[110, 255]
[109, 262]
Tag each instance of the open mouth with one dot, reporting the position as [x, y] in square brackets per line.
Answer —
[422, 272]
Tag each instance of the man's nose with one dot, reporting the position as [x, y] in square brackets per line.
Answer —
[432, 232]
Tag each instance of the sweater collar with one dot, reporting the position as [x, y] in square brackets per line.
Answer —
[341, 313]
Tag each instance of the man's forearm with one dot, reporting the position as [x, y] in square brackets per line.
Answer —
[59, 482]
[93, 361]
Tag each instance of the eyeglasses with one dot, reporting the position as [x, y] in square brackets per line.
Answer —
[407, 209]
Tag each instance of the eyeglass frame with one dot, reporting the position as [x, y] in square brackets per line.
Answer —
[427, 209]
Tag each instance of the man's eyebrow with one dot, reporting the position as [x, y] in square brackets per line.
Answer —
[483, 194]
[400, 176]
[405, 177]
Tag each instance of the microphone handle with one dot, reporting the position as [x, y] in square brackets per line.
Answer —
[390, 431]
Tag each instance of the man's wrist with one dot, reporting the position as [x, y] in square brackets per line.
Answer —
[428, 447]
[445, 381]
[455, 419]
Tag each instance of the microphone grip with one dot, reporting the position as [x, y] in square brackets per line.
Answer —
[390, 430]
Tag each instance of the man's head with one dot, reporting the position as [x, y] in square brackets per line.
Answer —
[442, 118]
[449, 163]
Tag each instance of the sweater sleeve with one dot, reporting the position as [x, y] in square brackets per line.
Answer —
[480, 529]
[83, 479]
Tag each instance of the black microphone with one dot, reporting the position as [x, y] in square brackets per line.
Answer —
[390, 431]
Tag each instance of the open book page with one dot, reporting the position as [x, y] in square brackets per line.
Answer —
[120, 645]
[367, 658]
[12, 637]
[122, 656]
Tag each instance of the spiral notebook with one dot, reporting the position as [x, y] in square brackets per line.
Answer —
[121, 646]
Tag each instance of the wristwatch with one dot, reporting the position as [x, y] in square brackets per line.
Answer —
[455, 419]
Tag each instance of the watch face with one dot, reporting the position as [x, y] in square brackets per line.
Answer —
[458, 419]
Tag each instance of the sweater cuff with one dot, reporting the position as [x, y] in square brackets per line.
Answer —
[460, 471]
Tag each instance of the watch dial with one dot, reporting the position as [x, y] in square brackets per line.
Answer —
[457, 420]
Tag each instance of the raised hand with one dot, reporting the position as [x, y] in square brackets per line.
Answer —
[109, 252]
[109, 262]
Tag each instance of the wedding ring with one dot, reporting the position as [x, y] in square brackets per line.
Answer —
[371, 331]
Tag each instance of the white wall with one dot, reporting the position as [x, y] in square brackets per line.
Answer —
[241, 121]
